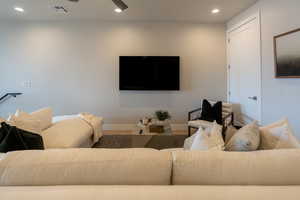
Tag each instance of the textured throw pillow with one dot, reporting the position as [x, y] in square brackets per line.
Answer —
[245, 139]
[13, 139]
[278, 136]
[209, 139]
[211, 112]
[231, 130]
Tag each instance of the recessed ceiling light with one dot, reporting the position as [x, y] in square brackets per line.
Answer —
[19, 9]
[118, 10]
[121, 6]
[215, 11]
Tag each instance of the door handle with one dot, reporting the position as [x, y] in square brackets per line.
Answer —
[253, 98]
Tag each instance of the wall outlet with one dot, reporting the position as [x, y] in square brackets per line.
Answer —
[27, 84]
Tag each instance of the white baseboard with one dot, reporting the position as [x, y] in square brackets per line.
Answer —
[129, 127]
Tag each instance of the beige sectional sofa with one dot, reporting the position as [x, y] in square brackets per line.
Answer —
[150, 174]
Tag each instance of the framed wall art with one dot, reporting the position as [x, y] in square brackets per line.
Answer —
[287, 54]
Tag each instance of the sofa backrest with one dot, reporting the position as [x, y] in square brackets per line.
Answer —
[276, 167]
[149, 167]
[86, 167]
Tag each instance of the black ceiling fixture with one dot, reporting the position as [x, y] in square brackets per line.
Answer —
[120, 4]
[61, 8]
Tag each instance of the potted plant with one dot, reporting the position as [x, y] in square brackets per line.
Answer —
[163, 120]
[162, 115]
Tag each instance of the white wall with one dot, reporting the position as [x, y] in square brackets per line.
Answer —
[73, 66]
[280, 97]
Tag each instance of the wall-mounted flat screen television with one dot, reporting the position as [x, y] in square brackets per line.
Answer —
[149, 73]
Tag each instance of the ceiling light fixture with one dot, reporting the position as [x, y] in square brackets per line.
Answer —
[121, 6]
[215, 11]
[60, 8]
[19, 9]
[118, 10]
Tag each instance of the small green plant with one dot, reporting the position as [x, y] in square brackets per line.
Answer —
[162, 115]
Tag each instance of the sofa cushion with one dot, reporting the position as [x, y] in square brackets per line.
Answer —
[70, 133]
[86, 167]
[276, 167]
[95, 192]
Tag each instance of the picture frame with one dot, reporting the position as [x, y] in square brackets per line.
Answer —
[287, 54]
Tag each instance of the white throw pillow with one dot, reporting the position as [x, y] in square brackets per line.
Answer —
[278, 136]
[201, 141]
[245, 139]
[189, 141]
[44, 116]
[209, 139]
[216, 138]
[28, 124]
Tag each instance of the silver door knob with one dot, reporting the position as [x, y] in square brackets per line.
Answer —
[253, 98]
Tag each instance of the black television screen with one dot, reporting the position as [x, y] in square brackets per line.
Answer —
[149, 73]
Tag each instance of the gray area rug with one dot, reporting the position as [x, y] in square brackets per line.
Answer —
[141, 141]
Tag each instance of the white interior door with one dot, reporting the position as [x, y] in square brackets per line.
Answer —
[244, 57]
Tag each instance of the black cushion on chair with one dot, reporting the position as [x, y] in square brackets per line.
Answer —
[211, 113]
[14, 139]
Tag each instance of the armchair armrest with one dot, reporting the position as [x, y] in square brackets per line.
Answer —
[226, 122]
[192, 112]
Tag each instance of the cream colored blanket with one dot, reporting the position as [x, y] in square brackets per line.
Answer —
[95, 123]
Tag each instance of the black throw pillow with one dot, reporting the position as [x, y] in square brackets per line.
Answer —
[10, 140]
[14, 139]
[211, 113]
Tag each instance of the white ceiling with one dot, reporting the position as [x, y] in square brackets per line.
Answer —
[139, 10]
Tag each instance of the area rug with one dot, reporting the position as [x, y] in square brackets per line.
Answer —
[141, 141]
